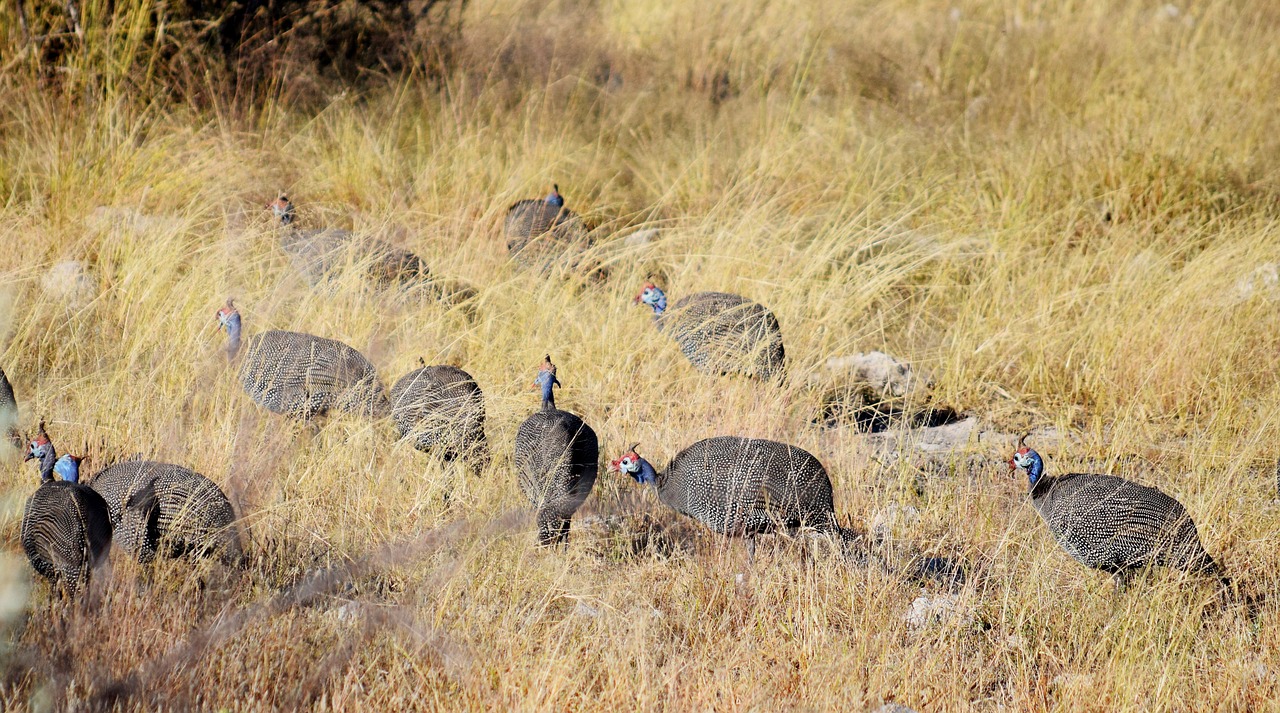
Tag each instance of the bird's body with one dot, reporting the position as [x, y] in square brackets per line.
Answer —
[302, 375]
[165, 509]
[66, 528]
[442, 409]
[1115, 525]
[540, 232]
[556, 460]
[9, 412]
[741, 487]
[721, 333]
[318, 255]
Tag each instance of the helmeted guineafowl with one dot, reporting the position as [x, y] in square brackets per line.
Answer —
[319, 254]
[9, 412]
[542, 231]
[742, 487]
[442, 409]
[301, 375]
[1113, 524]
[66, 527]
[165, 509]
[557, 459]
[720, 333]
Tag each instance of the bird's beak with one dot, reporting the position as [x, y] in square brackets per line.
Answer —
[636, 299]
[1012, 465]
[613, 466]
[30, 455]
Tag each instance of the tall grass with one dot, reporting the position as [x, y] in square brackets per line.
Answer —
[926, 179]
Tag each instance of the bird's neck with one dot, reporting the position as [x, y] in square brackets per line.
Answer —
[233, 339]
[548, 397]
[47, 462]
[647, 475]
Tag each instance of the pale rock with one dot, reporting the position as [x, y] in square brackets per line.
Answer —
[884, 373]
[70, 281]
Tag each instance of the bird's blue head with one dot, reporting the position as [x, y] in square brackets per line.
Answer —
[633, 465]
[554, 199]
[282, 209]
[653, 296]
[1029, 461]
[546, 381]
[68, 468]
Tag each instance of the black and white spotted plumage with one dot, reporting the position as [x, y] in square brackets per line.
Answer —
[9, 412]
[556, 460]
[165, 509]
[302, 375]
[1115, 525]
[721, 333]
[66, 528]
[442, 409]
[741, 487]
[541, 232]
[318, 255]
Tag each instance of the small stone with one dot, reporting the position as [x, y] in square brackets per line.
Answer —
[927, 610]
[70, 281]
[641, 237]
[884, 373]
[894, 708]
[584, 609]
[891, 518]
[347, 612]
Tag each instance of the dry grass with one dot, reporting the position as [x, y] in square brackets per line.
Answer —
[888, 175]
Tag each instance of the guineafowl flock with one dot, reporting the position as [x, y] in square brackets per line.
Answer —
[736, 487]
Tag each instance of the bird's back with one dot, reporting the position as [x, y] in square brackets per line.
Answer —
[1114, 524]
[8, 411]
[439, 407]
[66, 530]
[538, 233]
[557, 458]
[151, 501]
[304, 375]
[739, 485]
[724, 333]
[320, 254]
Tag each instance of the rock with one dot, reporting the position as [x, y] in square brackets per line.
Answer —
[894, 708]
[70, 281]
[893, 519]
[883, 373]
[927, 610]
[584, 609]
[976, 107]
[347, 612]
[644, 236]
[1263, 281]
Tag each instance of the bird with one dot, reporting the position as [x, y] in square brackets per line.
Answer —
[300, 375]
[9, 412]
[66, 527]
[442, 409]
[542, 231]
[319, 254]
[743, 487]
[1112, 524]
[719, 332]
[556, 459]
[165, 509]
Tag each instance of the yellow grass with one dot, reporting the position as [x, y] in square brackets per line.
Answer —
[921, 178]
